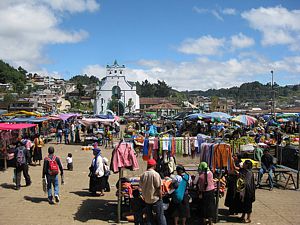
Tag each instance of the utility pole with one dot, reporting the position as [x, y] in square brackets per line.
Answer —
[273, 96]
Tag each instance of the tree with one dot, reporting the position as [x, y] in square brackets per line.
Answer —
[80, 88]
[8, 99]
[21, 70]
[129, 105]
[113, 104]
[162, 89]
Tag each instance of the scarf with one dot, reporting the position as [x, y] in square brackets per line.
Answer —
[98, 151]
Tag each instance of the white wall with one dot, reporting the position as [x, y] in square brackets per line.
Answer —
[105, 93]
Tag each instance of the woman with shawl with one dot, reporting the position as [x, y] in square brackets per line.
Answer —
[97, 172]
[245, 195]
[206, 187]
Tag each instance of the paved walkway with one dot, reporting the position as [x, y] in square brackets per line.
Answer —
[30, 206]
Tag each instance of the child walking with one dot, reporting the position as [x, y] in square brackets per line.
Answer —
[69, 162]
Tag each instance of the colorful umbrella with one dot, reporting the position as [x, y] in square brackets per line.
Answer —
[244, 119]
[219, 115]
[287, 115]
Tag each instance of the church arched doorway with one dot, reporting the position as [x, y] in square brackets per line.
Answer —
[116, 106]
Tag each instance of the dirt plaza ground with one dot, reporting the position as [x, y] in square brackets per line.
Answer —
[29, 205]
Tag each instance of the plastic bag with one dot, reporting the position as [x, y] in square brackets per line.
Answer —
[44, 182]
[14, 176]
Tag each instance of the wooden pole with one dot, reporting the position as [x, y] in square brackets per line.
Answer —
[5, 158]
[298, 173]
[120, 195]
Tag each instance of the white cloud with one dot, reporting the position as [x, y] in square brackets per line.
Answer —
[205, 45]
[278, 25]
[217, 15]
[45, 73]
[200, 10]
[95, 70]
[27, 26]
[216, 12]
[204, 73]
[229, 11]
[241, 41]
[73, 6]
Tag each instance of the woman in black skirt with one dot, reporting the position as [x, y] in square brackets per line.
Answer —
[206, 188]
[37, 150]
[245, 195]
[98, 181]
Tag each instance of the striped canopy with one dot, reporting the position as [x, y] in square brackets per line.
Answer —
[244, 119]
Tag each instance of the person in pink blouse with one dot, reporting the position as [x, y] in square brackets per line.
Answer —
[205, 184]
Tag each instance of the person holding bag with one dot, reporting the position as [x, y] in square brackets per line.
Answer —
[180, 200]
[97, 174]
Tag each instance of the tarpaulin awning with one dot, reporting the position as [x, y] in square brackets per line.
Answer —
[90, 121]
[63, 117]
[109, 116]
[26, 120]
[22, 112]
[7, 126]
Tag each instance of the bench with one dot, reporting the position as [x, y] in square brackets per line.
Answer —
[278, 174]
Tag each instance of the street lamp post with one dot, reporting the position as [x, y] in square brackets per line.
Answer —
[273, 95]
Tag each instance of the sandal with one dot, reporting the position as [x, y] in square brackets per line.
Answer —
[247, 221]
[101, 194]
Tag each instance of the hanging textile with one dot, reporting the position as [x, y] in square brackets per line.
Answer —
[123, 157]
[146, 149]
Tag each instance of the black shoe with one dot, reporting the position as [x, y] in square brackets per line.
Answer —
[56, 198]
[17, 188]
[28, 184]
[50, 200]
[95, 194]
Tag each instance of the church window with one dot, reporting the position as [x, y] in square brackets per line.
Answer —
[116, 92]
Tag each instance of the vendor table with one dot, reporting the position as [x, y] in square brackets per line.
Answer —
[280, 173]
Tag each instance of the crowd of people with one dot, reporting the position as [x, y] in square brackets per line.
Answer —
[191, 193]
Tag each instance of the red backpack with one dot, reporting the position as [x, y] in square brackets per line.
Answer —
[53, 167]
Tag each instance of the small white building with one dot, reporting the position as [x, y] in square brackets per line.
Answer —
[115, 92]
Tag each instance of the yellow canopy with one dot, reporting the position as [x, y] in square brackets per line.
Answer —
[22, 112]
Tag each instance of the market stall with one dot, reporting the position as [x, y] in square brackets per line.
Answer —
[10, 133]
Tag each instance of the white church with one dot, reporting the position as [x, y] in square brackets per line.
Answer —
[115, 93]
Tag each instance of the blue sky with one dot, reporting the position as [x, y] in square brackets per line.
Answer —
[191, 44]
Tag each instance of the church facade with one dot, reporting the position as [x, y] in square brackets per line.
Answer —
[115, 93]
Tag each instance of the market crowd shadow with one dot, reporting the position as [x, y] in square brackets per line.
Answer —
[83, 193]
[8, 186]
[96, 209]
[224, 216]
[35, 199]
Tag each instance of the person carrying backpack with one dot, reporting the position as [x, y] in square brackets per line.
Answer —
[180, 200]
[22, 157]
[51, 168]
